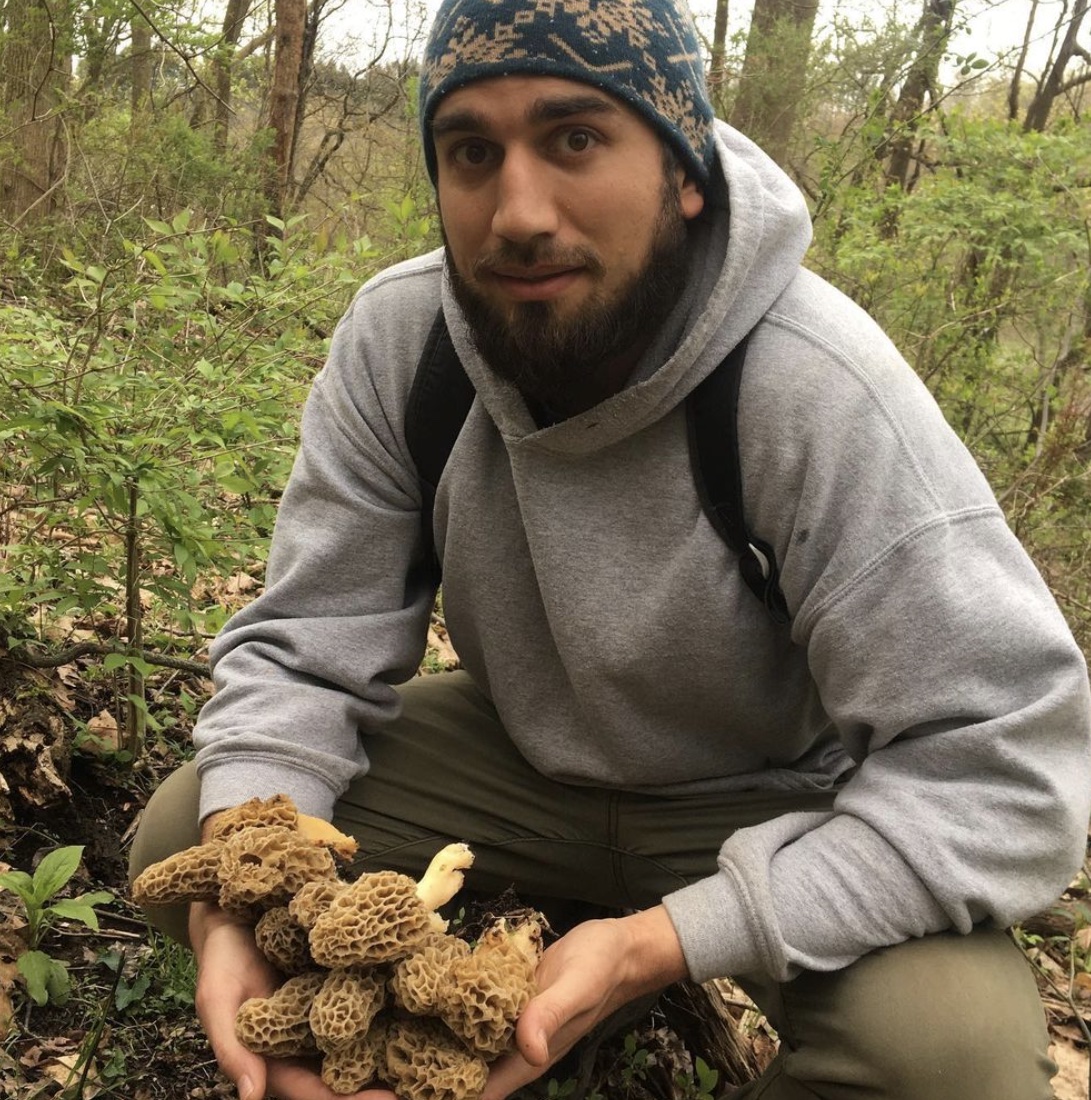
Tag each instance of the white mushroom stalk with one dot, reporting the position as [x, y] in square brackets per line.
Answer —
[444, 876]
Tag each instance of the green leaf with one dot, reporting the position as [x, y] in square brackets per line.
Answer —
[76, 910]
[47, 978]
[127, 994]
[55, 870]
[18, 882]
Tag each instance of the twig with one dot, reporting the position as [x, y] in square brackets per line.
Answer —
[96, 649]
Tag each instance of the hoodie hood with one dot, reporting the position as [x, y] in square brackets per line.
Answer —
[746, 250]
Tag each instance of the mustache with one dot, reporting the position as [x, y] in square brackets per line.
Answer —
[535, 253]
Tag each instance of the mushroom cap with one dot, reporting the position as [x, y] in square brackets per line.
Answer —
[312, 899]
[264, 865]
[283, 942]
[278, 1026]
[486, 991]
[416, 980]
[346, 1005]
[377, 919]
[190, 875]
[276, 811]
[424, 1061]
[359, 1062]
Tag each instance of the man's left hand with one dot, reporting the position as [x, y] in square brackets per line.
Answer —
[584, 977]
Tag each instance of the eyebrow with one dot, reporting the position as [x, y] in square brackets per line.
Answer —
[542, 110]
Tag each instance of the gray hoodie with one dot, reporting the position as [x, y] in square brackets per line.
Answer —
[926, 667]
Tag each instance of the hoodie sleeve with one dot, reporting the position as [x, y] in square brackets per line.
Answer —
[301, 669]
[941, 659]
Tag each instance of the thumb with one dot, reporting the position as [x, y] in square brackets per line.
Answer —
[538, 1027]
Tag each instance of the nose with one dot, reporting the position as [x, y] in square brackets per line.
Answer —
[525, 204]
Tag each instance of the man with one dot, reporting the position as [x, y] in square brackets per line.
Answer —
[843, 812]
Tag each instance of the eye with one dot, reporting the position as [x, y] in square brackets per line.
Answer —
[578, 140]
[472, 153]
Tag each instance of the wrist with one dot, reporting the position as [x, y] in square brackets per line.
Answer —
[654, 951]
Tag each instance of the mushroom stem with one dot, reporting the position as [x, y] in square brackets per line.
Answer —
[444, 876]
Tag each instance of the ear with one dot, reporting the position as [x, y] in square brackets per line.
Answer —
[691, 197]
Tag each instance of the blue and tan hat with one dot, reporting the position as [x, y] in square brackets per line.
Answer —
[644, 52]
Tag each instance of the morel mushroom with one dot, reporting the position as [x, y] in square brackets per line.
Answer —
[417, 981]
[485, 992]
[424, 1061]
[198, 873]
[279, 1026]
[346, 1005]
[384, 915]
[283, 942]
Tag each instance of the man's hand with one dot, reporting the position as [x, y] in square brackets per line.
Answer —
[231, 969]
[582, 978]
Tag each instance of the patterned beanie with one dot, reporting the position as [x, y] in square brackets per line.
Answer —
[644, 52]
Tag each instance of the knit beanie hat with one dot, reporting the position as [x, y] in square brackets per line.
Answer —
[644, 52]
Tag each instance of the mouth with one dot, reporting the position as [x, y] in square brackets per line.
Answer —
[534, 284]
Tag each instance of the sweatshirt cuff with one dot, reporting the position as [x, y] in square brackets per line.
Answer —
[224, 785]
[714, 929]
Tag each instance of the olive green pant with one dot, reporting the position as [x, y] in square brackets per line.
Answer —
[946, 1017]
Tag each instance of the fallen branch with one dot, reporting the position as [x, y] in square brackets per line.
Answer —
[97, 649]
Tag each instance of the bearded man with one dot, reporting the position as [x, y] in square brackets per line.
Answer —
[841, 807]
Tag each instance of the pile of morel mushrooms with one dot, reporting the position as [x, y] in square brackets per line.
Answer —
[375, 984]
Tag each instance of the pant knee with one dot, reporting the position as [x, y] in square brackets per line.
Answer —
[945, 1017]
[168, 825]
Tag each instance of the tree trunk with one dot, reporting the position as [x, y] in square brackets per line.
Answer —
[140, 65]
[933, 31]
[716, 75]
[1054, 84]
[222, 62]
[291, 17]
[34, 71]
[774, 73]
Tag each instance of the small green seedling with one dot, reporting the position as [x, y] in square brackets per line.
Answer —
[47, 978]
[700, 1084]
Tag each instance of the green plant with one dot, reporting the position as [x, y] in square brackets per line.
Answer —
[636, 1061]
[698, 1084]
[46, 977]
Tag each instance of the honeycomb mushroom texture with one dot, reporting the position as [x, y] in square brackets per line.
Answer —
[378, 918]
[416, 980]
[345, 1006]
[283, 942]
[263, 866]
[359, 1062]
[189, 875]
[312, 899]
[278, 1026]
[485, 992]
[424, 1061]
[276, 811]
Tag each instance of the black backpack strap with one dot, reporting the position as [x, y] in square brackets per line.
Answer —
[712, 418]
[439, 402]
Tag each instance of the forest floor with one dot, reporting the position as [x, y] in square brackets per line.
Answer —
[129, 1029]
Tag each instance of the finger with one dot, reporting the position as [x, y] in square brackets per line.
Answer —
[246, 1069]
[290, 1079]
[508, 1074]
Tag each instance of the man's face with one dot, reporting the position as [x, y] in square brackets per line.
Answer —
[565, 227]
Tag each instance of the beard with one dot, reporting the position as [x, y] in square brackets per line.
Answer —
[554, 359]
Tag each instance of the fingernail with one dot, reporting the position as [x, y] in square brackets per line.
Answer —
[246, 1087]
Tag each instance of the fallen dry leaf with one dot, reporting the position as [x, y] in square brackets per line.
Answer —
[103, 727]
[443, 647]
[67, 1071]
[1070, 1083]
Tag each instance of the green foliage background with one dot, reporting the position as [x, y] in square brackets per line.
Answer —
[159, 330]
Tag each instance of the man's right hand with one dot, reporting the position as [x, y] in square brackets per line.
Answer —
[230, 970]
